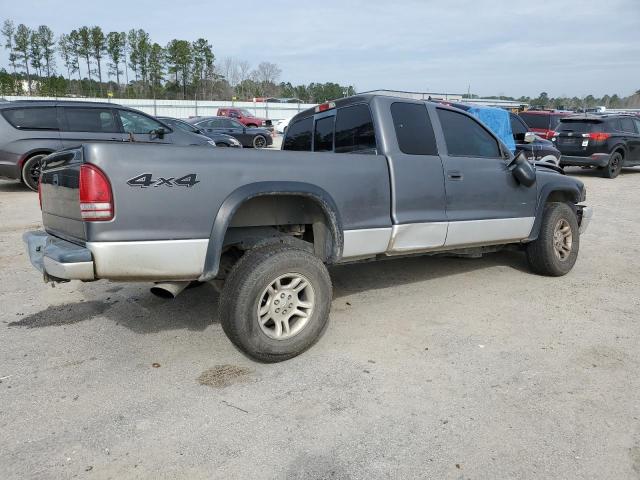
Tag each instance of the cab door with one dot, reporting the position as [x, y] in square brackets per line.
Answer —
[418, 206]
[484, 202]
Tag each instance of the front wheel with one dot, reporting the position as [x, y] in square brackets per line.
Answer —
[614, 167]
[555, 250]
[275, 302]
[259, 141]
[31, 172]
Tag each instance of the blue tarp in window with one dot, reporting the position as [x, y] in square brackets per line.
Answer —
[498, 121]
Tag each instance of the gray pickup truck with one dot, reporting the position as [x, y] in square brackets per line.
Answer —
[361, 178]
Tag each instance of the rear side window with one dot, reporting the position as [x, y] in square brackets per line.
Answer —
[299, 135]
[579, 126]
[37, 118]
[627, 125]
[323, 135]
[413, 129]
[354, 130]
[100, 120]
[465, 137]
[536, 120]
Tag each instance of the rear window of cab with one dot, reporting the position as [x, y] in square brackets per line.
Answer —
[349, 130]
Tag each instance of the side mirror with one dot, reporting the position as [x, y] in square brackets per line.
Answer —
[523, 171]
[159, 132]
[529, 137]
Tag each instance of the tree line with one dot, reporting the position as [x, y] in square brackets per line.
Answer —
[87, 62]
[574, 103]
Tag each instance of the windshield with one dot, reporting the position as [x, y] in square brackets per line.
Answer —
[187, 127]
[245, 113]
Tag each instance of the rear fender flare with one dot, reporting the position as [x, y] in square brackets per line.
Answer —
[231, 204]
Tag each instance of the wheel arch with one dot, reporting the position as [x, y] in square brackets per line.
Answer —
[233, 203]
[32, 153]
[622, 149]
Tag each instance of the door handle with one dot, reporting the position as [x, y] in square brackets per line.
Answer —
[454, 175]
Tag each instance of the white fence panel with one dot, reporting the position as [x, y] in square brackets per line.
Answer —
[191, 108]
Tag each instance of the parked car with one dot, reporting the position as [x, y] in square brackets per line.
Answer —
[220, 139]
[247, 136]
[543, 122]
[281, 125]
[607, 142]
[244, 116]
[361, 178]
[30, 130]
[512, 130]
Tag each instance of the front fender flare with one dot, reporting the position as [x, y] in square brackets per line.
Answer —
[236, 198]
[573, 192]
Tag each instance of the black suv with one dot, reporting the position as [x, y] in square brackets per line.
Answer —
[608, 142]
[30, 130]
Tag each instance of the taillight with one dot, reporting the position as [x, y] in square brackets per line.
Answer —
[599, 136]
[96, 200]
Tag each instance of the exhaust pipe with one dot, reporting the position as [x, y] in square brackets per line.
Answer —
[168, 289]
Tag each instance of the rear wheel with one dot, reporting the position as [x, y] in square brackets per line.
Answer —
[220, 144]
[555, 251]
[259, 141]
[275, 302]
[31, 171]
[613, 169]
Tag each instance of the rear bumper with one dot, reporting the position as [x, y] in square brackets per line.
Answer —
[595, 160]
[58, 259]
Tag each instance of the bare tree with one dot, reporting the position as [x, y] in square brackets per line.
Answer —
[267, 72]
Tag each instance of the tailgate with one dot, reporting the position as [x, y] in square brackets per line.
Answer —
[59, 193]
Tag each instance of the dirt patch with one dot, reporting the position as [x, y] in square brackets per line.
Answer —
[62, 315]
[222, 376]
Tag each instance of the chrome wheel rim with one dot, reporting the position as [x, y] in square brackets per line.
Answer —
[259, 142]
[562, 239]
[285, 306]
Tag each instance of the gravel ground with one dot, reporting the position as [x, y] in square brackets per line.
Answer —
[430, 368]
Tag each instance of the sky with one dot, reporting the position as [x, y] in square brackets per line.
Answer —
[513, 48]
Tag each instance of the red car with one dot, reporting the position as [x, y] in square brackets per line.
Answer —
[543, 122]
[244, 116]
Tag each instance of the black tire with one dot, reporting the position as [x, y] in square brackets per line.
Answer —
[220, 144]
[545, 253]
[613, 169]
[31, 171]
[259, 141]
[243, 292]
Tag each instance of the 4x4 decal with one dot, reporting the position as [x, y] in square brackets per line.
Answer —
[145, 180]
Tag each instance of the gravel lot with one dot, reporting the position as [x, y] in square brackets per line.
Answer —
[431, 368]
